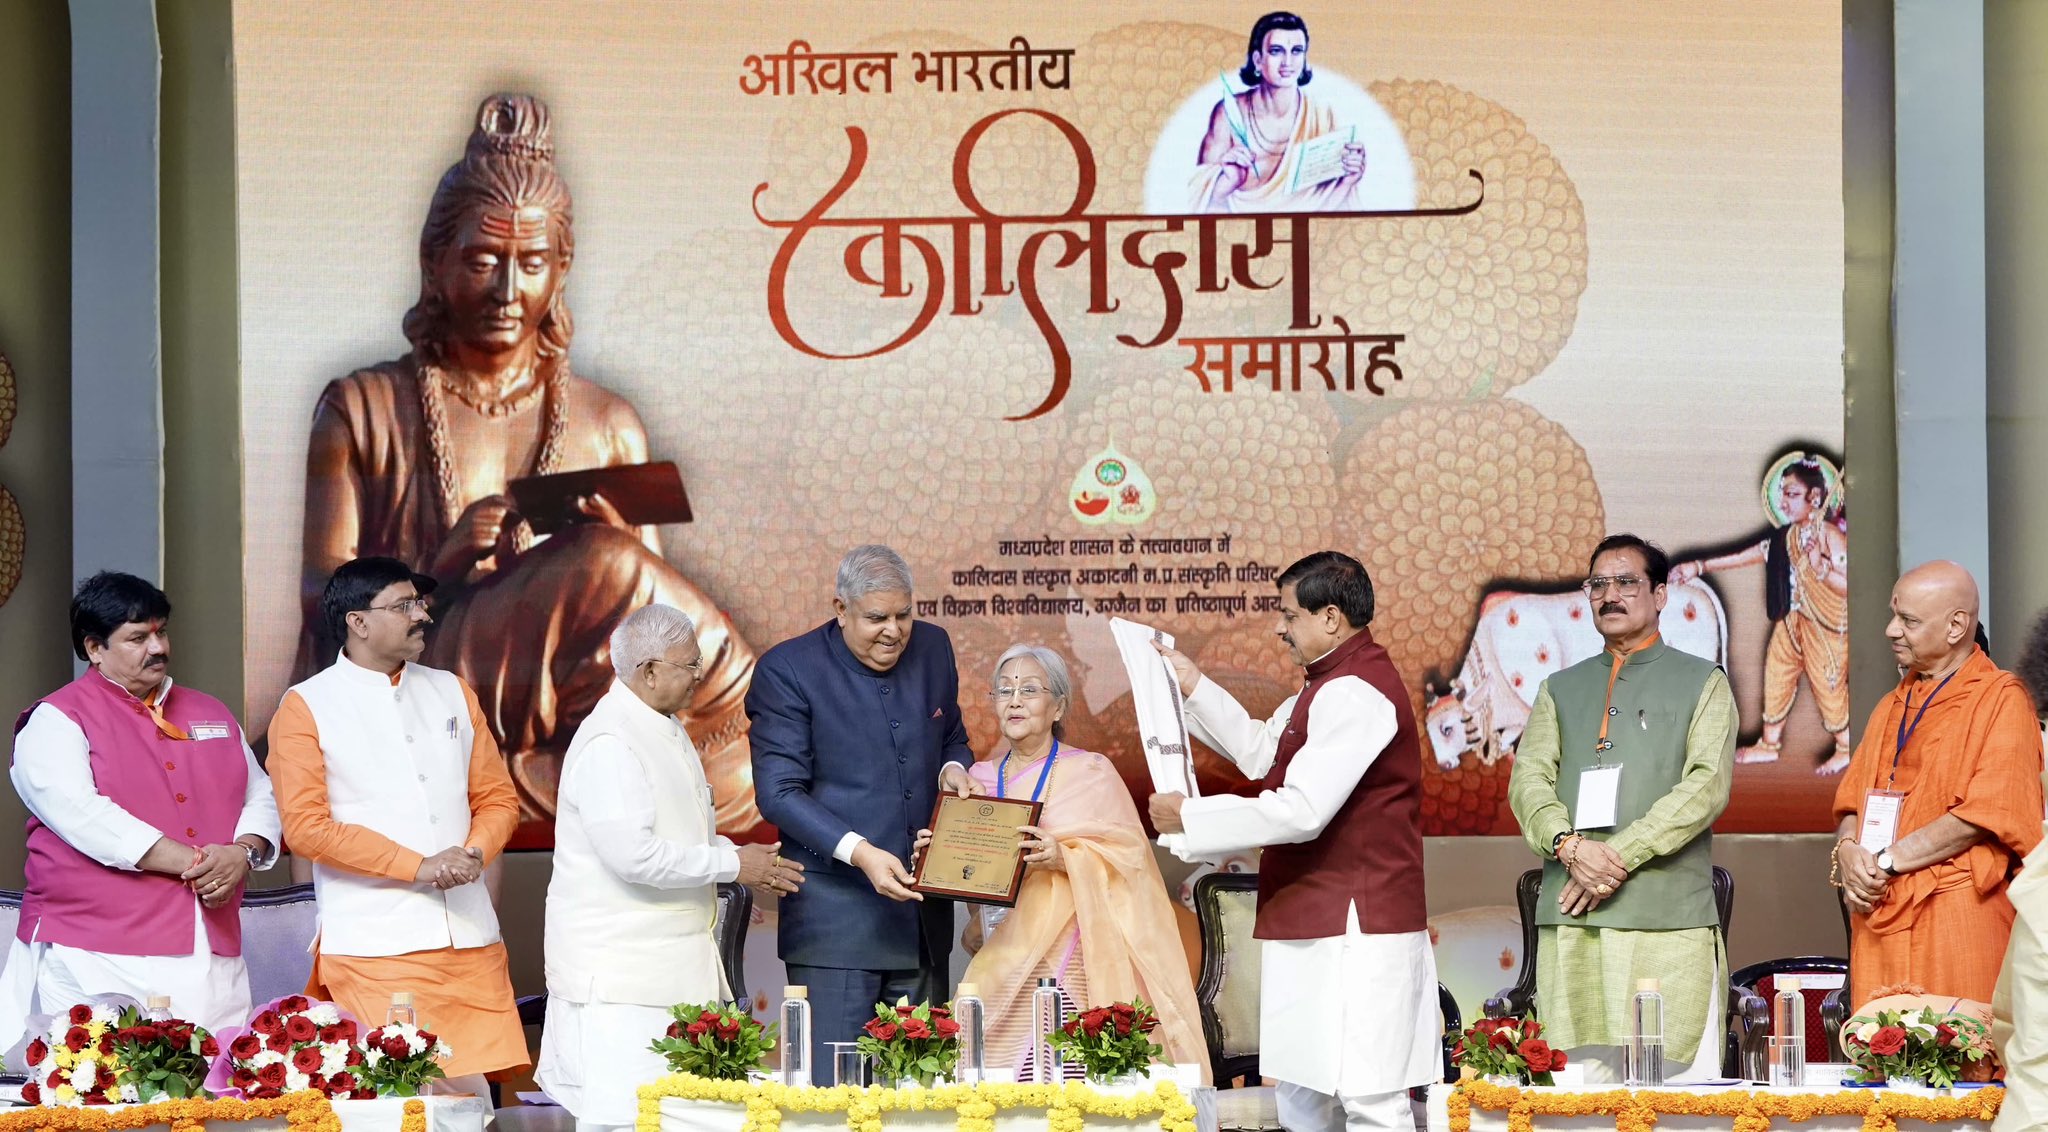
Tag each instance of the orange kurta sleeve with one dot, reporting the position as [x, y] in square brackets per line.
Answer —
[298, 775]
[493, 800]
[2002, 794]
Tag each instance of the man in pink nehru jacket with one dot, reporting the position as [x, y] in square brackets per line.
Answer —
[147, 812]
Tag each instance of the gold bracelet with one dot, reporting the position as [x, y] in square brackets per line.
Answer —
[1835, 862]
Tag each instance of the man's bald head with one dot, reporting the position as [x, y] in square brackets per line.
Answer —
[1934, 618]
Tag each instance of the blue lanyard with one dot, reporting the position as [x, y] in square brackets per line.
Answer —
[1003, 772]
[1906, 733]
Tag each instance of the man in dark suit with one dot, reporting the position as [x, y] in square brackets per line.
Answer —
[856, 730]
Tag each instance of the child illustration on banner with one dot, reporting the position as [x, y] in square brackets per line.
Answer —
[1806, 592]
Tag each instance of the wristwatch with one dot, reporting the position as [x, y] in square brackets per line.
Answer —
[249, 851]
[1884, 861]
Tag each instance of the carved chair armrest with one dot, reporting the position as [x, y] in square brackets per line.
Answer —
[1511, 1002]
[1834, 1014]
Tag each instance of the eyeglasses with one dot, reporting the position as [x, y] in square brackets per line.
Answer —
[1016, 691]
[404, 606]
[696, 665]
[1627, 585]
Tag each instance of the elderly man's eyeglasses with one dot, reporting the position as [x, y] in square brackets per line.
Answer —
[696, 665]
[1627, 585]
[1005, 692]
[404, 606]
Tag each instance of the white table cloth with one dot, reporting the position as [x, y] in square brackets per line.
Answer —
[1438, 1117]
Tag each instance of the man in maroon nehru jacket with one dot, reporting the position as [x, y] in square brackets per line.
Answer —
[1347, 1011]
[146, 814]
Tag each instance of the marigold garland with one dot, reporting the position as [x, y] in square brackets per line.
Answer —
[303, 1112]
[974, 1107]
[1749, 1111]
[415, 1118]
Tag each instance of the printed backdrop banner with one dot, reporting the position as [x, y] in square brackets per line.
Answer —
[1090, 310]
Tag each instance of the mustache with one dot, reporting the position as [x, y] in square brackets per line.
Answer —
[156, 662]
[1612, 607]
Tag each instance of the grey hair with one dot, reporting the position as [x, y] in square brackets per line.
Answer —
[871, 568]
[647, 634]
[1057, 681]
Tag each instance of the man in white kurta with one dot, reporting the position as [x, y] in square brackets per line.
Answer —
[1347, 1017]
[147, 813]
[633, 901]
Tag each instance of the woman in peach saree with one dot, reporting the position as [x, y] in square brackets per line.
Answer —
[1093, 912]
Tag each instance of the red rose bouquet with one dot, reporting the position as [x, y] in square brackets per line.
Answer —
[74, 1058]
[911, 1043]
[165, 1059]
[291, 1044]
[1507, 1047]
[1111, 1041]
[398, 1058]
[1925, 1048]
[721, 1042]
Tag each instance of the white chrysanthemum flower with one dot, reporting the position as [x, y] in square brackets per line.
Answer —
[83, 1075]
[372, 1056]
[415, 1043]
[295, 1081]
[325, 1014]
[333, 1058]
[442, 1051]
[265, 1057]
[130, 1095]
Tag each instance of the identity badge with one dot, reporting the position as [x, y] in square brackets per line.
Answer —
[1599, 791]
[1880, 819]
[202, 730]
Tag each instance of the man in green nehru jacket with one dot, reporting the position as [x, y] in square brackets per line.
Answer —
[1626, 762]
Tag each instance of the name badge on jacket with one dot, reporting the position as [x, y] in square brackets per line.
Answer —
[209, 731]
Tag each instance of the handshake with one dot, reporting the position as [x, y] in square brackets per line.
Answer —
[455, 865]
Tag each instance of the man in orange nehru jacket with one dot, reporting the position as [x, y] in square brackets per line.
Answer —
[1940, 802]
[389, 782]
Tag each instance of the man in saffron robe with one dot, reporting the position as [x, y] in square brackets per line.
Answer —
[1940, 802]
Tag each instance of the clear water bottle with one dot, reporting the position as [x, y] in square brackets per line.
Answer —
[401, 1012]
[1788, 1035]
[972, 1068]
[1047, 1010]
[158, 1008]
[796, 1037]
[1646, 1041]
